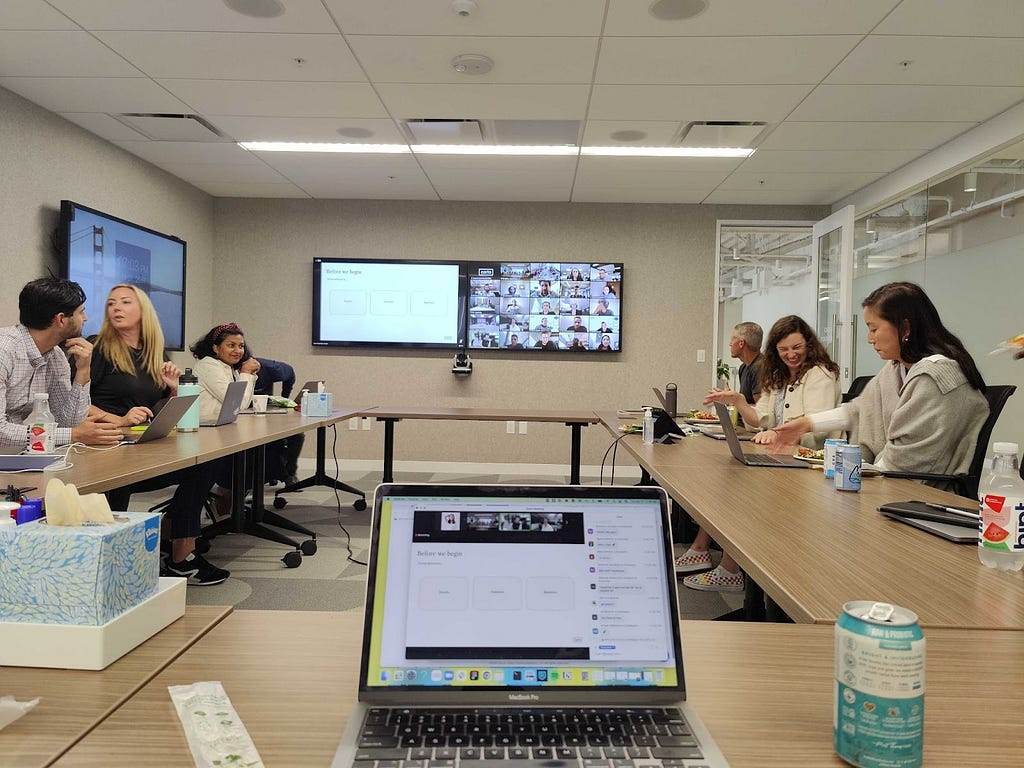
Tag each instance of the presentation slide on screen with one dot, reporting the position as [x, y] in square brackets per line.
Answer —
[389, 302]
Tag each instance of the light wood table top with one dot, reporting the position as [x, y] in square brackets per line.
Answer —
[812, 548]
[74, 701]
[763, 690]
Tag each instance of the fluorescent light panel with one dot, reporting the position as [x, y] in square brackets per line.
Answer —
[486, 149]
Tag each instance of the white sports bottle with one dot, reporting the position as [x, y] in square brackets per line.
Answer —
[42, 427]
[648, 427]
[1001, 494]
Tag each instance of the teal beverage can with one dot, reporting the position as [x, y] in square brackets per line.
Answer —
[848, 459]
[831, 444]
[878, 692]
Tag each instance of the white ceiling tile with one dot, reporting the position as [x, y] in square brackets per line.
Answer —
[828, 161]
[752, 17]
[934, 61]
[191, 15]
[767, 103]
[598, 133]
[819, 183]
[638, 192]
[436, 17]
[228, 173]
[53, 54]
[516, 59]
[104, 126]
[94, 94]
[159, 152]
[727, 60]
[698, 171]
[901, 103]
[353, 176]
[978, 18]
[237, 56]
[769, 197]
[243, 128]
[239, 97]
[32, 14]
[500, 178]
[251, 189]
[875, 135]
[487, 102]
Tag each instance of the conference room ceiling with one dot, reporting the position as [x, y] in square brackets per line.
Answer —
[847, 91]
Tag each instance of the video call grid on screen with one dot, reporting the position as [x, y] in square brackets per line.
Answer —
[545, 306]
[509, 584]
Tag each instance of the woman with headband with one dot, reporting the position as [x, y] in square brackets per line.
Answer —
[223, 359]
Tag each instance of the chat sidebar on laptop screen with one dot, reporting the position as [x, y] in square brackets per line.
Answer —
[507, 591]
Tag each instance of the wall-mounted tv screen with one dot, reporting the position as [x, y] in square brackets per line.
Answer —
[389, 303]
[569, 306]
[99, 251]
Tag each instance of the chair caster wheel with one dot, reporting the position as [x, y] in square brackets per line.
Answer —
[359, 505]
[308, 547]
[292, 559]
[280, 503]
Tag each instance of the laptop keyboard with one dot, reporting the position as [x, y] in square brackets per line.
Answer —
[589, 738]
[766, 459]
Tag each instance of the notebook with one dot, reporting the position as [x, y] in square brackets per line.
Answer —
[230, 405]
[753, 459]
[956, 524]
[164, 421]
[517, 607]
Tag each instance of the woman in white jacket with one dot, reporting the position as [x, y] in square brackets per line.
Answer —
[223, 359]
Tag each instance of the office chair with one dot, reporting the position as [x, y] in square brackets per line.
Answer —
[856, 387]
[966, 484]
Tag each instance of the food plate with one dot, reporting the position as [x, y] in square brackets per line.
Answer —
[809, 459]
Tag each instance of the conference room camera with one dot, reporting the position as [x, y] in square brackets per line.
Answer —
[462, 366]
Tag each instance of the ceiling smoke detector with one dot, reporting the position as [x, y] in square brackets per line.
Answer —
[472, 64]
[676, 10]
[260, 9]
[464, 7]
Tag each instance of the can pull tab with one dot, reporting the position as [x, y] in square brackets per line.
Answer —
[881, 612]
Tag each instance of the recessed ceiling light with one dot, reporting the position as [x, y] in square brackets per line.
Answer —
[260, 9]
[494, 149]
[676, 10]
[668, 151]
[355, 132]
[629, 135]
[472, 64]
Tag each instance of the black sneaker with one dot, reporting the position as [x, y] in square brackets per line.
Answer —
[197, 570]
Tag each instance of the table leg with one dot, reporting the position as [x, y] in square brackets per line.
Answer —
[574, 455]
[389, 449]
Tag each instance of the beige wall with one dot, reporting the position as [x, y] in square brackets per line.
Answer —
[263, 282]
[45, 159]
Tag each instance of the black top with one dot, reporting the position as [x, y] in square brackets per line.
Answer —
[750, 379]
[271, 371]
[116, 392]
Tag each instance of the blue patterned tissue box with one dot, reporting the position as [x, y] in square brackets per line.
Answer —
[85, 575]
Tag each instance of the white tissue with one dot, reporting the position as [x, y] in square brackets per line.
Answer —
[11, 710]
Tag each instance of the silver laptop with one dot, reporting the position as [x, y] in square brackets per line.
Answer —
[752, 459]
[29, 462]
[518, 608]
[164, 422]
[230, 405]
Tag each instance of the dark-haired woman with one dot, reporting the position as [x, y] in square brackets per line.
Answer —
[800, 379]
[223, 359]
[922, 412]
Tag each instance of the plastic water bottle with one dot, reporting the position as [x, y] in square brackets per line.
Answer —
[188, 384]
[1001, 493]
[648, 427]
[41, 425]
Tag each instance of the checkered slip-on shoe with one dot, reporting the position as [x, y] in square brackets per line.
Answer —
[718, 580]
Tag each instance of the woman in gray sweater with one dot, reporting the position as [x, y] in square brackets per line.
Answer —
[922, 412]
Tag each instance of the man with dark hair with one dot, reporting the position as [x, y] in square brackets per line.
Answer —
[745, 346]
[282, 454]
[52, 312]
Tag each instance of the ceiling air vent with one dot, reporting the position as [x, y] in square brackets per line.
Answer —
[171, 127]
[720, 133]
[441, 131]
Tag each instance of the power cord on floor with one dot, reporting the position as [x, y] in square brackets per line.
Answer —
[337, 497]
[613, 449]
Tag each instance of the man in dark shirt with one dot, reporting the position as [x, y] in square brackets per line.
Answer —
[577, 325]
[745, 345]
[289, 448]
[545, 341]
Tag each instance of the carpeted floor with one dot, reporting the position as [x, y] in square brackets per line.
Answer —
[334, 578]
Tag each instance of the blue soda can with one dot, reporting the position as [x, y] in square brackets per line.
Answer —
[878, 693]
[847, 468]
[830, 455]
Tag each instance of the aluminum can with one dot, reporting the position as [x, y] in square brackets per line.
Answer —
[848, 468]
[878, 693]
[830, 455]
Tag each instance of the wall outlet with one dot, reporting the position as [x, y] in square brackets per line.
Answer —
[367, 424]
[701, 355]
[510, 427]
[353, 423]
[522, 427]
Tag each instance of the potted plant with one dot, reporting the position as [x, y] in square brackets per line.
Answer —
[723, 373]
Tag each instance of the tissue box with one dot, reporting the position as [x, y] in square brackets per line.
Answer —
[82, 575]
[319, 404]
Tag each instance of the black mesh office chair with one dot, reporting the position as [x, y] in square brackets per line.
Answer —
[967, 484]
[856, 387]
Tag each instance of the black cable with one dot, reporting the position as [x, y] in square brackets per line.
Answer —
[337, 497]
[614, 444]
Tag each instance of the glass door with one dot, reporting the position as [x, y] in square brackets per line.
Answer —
[832, 247]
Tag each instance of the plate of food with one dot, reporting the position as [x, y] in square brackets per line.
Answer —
[697, 416]
[809, 455]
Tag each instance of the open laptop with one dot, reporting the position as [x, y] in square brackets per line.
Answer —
[164, 421]
[517, 606]
[230, 405]
[752, 459]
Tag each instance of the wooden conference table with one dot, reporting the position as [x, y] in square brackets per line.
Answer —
[74, 701]
[812, 548]
[575, 420]
[763, 690]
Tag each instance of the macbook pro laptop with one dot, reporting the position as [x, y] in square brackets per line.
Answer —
[957, 524]
[164, 421]
[752, 459]
[230, 405]
[547, 614]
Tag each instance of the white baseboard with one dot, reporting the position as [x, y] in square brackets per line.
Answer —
[307, 466]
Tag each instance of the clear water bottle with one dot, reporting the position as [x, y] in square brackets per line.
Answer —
[648, 427]
[1001, 494]
[41, 425]
[188, 384]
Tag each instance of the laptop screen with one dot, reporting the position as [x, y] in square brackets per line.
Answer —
[512, 587]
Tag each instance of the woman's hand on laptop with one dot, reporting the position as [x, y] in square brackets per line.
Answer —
[788, 434]
[140, 414]
[92, 431]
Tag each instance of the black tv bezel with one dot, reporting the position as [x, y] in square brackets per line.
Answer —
[462, 322]
[67, 216]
